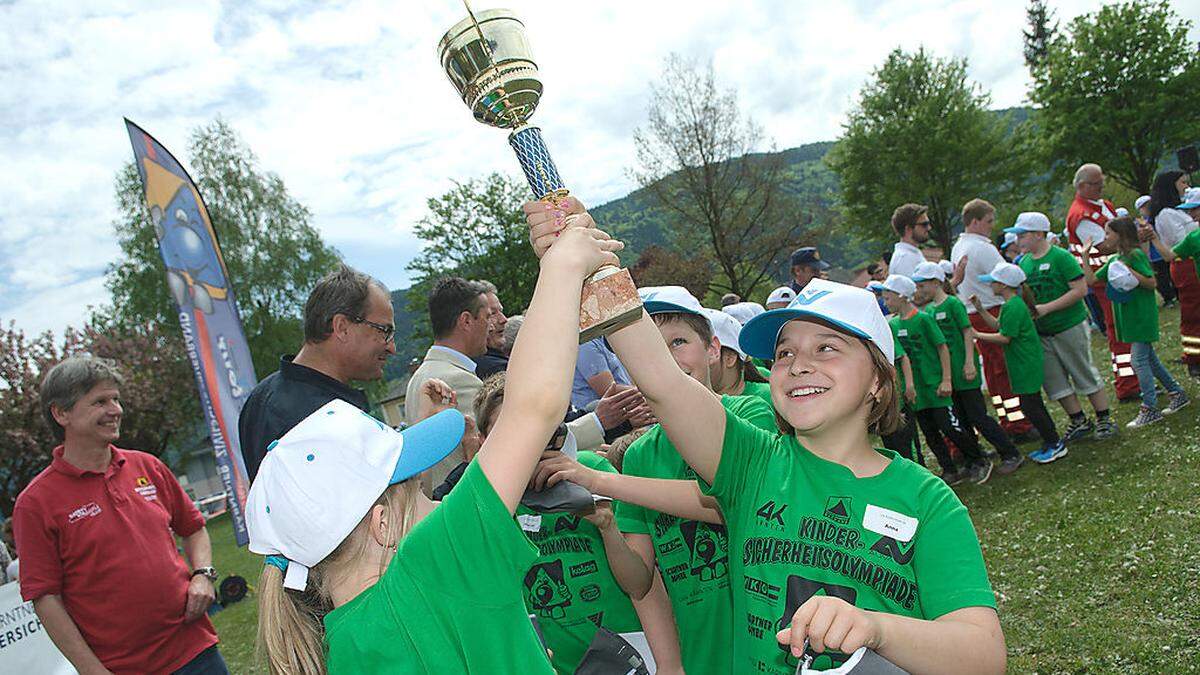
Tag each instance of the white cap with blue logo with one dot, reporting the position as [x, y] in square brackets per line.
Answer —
[848, 309]
[320, 479]
[663, 299]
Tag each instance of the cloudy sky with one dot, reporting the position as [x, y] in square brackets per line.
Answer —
[347, 102]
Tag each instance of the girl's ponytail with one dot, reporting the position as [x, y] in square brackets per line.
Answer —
[750, 372]
[1030, 301]
[290, 632]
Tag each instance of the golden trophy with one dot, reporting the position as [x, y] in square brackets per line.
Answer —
[487, 58]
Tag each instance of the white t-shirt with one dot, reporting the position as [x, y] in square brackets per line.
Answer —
[905, 258]
[1173, 225]
[982, 256]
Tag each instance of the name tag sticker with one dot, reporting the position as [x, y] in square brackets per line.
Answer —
[889, 523]
[1044, 266]
[903, 332]
[940, 316]
[530, 522]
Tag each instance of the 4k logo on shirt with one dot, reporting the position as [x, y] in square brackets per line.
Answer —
[770, 514]
[837, 509]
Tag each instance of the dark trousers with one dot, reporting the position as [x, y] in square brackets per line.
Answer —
[1039, 417]
[940, 423]
[207, 662]
[1162, 272]
[904, 441]
[972, 414]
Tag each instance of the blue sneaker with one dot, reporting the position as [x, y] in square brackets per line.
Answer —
[1049, 453]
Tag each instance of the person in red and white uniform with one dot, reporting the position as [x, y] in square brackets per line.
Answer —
[1085, 220]
[1172, 210]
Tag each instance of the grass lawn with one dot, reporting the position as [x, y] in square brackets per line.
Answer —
[1095, 559]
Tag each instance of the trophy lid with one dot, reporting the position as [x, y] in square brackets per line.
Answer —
[488, 60]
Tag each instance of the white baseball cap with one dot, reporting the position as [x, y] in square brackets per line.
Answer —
[1141, 201]
[321, 478]
[902, 285]
[664, 299]
[929, 271]
[726, 328]
[1010, 238]
[743, 311]
[1030, 221]
[947, 267]
[849, 309]
[1191, 199]
[1006, 273]
[781, 294]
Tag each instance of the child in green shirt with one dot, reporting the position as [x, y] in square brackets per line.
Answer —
[366, 574]
[1130, 285]
[733, 374]
[1022, 352]
[932, 384]
[950, 314]
[903, 441]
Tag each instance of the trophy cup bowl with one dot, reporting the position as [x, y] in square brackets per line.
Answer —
[489, 62]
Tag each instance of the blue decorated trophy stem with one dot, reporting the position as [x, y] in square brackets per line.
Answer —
[535, 161]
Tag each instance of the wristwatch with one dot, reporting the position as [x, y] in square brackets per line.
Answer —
[210, 572]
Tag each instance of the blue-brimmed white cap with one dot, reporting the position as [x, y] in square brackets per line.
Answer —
[665, 299]
[1191, 199]
[781, 294]
[743, 311]
[320, 479]
[1141, 201]
[929, 271]
[726, 328]
[1010, 238]
[1005, 273]
[902, 285]
[1030, 221]
[1121, 282]
[848, 309]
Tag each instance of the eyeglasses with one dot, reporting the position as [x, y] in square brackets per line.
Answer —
[389, 332]
[923, 223]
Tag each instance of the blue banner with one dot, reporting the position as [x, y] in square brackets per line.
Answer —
[208, 314]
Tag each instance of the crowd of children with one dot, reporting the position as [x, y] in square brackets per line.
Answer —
[757, 527]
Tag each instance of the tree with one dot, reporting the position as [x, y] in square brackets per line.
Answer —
[273, 254]
[657, 266]
[154, 367]
[1119, 88]
[696, 156]
[477, 231]
[1042, 28]
[921, 132]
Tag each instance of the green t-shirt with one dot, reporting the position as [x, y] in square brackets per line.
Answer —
[1189, 247]
[951, 318]
[570, 587]
[759, 390]
[901, 385]
[1050, 277]
[900, 542]
[920, 335]
[451, 599]
[1023, 353]
[764, 367]
[693, 557]
[1137, 318]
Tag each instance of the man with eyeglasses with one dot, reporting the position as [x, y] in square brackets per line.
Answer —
[349, 333]
[911, 223]
[1086, 218]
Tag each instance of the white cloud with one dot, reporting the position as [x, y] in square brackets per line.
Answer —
[347, 103]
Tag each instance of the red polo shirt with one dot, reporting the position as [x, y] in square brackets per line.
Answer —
[102, 542]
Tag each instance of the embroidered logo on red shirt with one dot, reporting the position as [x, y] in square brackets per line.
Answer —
[86, 511]
[148, 490]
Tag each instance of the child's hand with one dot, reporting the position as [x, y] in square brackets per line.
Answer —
[556, 467]
[969, 370]
[436, 396]
[548, 219]
[601, 516]
[830, 623]
[910, 395]
[583, 249]
[945, 388]
[1088, 244]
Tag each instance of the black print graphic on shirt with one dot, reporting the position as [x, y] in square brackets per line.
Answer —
[892, 548]
[799, 591]
[547, 593]
[568, 522]
[837, 509]
[709, 545]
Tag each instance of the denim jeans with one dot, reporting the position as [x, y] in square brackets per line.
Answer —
[207, 662]
[1147, 367]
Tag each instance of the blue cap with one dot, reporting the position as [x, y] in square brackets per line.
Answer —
[428, 442]
[849, 309]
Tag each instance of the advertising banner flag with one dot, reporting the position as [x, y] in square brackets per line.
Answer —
[208, 314]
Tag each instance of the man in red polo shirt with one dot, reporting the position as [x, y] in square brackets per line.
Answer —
[94, 531]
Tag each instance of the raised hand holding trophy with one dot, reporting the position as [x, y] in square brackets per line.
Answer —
[487, 58]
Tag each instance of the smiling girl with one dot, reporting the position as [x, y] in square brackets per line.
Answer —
[832, 541]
